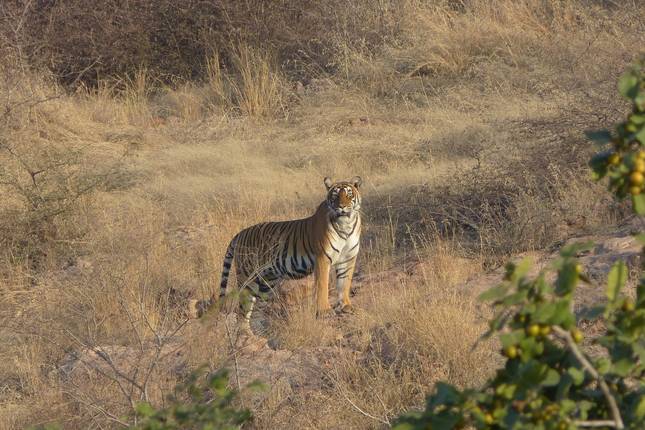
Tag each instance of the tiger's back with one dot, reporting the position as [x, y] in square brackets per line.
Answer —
[271, 251]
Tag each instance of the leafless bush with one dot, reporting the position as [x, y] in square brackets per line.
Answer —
[80, 43]
[44, 168]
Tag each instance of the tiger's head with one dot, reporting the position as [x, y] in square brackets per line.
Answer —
[343, 198]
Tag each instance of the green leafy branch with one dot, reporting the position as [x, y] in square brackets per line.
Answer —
[207, 406]
[548, 382]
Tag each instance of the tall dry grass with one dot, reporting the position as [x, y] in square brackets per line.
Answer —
[464, 119]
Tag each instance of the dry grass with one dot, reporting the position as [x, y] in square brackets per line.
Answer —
[464, 119]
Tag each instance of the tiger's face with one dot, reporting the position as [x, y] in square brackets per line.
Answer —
[343, 198]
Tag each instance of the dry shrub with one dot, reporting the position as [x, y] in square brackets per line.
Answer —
[254, 85]
[47, 171]
[440, 44]
[176, 42]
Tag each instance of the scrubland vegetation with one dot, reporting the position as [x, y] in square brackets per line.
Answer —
[136, 138]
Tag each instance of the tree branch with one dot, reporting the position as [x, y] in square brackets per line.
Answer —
[611, 401]
[599, 423]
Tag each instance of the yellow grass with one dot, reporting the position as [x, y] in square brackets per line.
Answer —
[466, 127]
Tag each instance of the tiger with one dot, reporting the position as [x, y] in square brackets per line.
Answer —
[266, 253]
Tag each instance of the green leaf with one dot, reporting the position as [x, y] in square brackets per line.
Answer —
[494, 293]
[567, 278]
[512, 338]
[514, 299]
[563, 315]
[551, 378]
[600, 137]
[544, 312]
[446, 395]
[603, 365]
[628, 85]
[638, 203]
[599, 164]
[637, 118]
[616, 280]
[640, 135]
[444, 421]
[622, 367]
[639, 411]
[145, 410]
[577, 375]
[403, 426]
[574, 249]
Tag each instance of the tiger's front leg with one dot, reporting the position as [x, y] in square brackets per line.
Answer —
[344, 274]
[321, 275]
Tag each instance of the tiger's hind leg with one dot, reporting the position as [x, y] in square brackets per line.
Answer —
[247, 303]
[260, 287]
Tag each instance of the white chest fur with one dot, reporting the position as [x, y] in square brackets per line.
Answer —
[345, 235]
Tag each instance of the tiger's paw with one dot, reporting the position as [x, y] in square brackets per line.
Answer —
[325, 313]
[344, 308]
[197, 308]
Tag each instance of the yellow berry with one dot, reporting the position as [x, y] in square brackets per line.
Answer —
[636, 178]
[614, 159]
[511, 351]
[545, 330]
[628, 305]
[488, 419]
[639, 165]
[578, 268]
[576, 335]
[635, 190]
[533, 330]
[640, 154]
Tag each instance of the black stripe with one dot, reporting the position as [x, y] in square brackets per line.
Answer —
[285, 253]
[342, 274]
[306, 245]
[346, 261]
[227, 265]
[325, 251]
[294, 249]
[300, 270]
[332, 247]
[353, 228]
[342, 235]
[353, 247]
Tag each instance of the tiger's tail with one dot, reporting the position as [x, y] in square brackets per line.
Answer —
[197, 308]
[228, 261]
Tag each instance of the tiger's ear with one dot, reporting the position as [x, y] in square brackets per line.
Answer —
[328, 182]
[356, 181]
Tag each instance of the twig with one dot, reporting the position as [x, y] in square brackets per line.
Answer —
[611, 401]
[237, 373]
[99, 409]
[359, 410]
[599, 423]
[387, 423]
